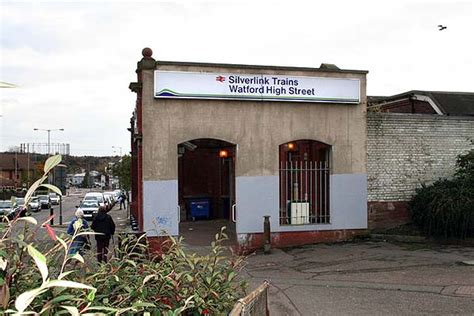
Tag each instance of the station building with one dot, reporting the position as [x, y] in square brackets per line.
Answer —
[230, 144]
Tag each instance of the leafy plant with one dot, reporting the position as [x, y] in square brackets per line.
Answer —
[172, 281]
[446, 208]
[42, 277]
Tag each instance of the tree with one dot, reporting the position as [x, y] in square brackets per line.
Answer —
[121, 170]
[85, 182]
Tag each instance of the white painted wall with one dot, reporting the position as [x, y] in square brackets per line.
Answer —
[257, 197]
[160, 207]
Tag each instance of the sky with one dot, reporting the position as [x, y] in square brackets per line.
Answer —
[72, 62]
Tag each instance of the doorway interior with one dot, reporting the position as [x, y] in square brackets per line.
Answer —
[206, 190]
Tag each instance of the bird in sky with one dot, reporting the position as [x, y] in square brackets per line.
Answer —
[441, 27]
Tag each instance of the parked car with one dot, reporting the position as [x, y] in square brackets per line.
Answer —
[90, 208]
[34, 204]
[20, 207]
[112, 195]
[117, 194]
[7, 209]
[55, 198]
[44, 201]
[98, 196]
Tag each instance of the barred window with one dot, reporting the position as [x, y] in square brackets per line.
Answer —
[304, 182]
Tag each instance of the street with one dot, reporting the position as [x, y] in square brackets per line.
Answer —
[69, 203]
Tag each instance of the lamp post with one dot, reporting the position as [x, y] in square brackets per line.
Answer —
[120, 149]
[49, 137]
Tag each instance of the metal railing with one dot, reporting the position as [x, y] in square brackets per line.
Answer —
[304, 192]
[254, 304]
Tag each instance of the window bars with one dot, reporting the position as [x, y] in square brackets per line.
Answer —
[304, 192]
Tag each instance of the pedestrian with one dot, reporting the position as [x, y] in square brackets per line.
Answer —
[105, 226]
[76, 226]
[123, 199]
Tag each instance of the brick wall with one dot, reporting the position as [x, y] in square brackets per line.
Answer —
[405, 150]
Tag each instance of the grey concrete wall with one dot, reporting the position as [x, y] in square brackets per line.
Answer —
[258, 128]
[405, 150]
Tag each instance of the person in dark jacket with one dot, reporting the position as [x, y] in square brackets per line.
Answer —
[103, 224]
[123, 200]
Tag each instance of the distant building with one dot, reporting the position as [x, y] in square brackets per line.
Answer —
[77, 179]
[15, 170]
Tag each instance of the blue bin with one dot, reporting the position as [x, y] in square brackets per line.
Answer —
[200, 208]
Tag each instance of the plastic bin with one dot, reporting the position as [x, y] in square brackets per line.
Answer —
[200, 208]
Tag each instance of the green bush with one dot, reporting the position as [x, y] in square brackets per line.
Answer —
[446, 208]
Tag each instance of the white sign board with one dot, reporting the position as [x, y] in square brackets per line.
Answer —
[204, 85]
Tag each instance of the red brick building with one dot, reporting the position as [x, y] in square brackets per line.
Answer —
[14, 168]
[425, 102]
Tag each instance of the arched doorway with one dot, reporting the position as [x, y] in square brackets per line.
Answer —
[206, 189]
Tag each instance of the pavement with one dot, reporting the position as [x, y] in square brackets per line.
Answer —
[366, 277]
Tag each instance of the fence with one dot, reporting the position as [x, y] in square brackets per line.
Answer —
[254, 304]
[45, 148]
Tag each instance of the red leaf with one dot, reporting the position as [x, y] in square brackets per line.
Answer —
[50, 232]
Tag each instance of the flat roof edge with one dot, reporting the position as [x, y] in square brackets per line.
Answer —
[290, 68]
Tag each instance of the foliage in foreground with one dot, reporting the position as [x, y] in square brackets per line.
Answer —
[41, 277]
[446, 208]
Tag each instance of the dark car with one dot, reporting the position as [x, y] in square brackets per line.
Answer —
[44, 201]
[20, 208]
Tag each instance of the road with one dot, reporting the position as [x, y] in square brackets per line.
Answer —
[69, 203]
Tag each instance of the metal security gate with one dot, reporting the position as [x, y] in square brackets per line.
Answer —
[304, 192]
[254, 304]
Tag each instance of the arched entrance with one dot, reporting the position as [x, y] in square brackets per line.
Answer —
[206, 189]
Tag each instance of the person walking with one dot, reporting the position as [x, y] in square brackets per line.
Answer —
[103, 224]
[123, 200]
[76, 226]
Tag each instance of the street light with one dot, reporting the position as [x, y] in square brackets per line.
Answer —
[49, 132]
[120, 148]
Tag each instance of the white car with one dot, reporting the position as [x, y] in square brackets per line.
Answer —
[34, 204]
[97, 196]
[90, 208]
[111, 197]
[117, 194]
[7, 208]
[55, 198]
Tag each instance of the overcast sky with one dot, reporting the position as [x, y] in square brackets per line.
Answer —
[73, 61]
